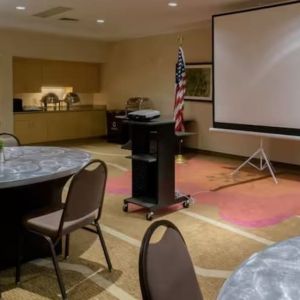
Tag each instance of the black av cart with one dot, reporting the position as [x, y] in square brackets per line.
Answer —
[153, 166]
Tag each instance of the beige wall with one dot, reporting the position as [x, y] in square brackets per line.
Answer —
[48, 46]
[139, 67]
[145, 67]
[37, 45]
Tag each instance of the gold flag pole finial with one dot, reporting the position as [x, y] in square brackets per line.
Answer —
[180, 40]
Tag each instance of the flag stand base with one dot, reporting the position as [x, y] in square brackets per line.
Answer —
[180, 135]
[180, 159]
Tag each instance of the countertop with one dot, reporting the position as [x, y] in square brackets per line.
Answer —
[64, 109]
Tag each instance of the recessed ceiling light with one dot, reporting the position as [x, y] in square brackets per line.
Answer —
[172, 4]
[20, 7]
[100, 21]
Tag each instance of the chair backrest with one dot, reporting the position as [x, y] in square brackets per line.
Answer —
[86, 193]
[165, 268]
[9, 139]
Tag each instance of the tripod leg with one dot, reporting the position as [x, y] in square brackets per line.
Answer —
[269, 166]
[246, 162]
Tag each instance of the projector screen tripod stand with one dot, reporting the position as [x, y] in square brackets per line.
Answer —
[264, 162]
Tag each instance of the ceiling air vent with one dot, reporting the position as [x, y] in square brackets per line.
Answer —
[52, 12]
[69, 19]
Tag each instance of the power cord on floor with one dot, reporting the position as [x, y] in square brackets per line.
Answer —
[179, 194]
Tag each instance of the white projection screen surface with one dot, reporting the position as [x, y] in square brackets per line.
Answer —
[257, 70]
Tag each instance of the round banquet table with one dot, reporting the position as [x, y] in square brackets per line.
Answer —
[32, 178]
[272, 274]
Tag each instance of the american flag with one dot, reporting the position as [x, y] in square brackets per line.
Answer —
[179, 91]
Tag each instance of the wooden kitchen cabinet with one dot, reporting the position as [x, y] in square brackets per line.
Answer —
[37, 127]
[91, 78]
[31, 74]
[61, 126]
[88, 124]
[27, 75]
[56, 73]
[30, 128]
[83, 77]
[97, 126]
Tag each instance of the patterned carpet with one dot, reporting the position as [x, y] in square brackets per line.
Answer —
[226, 224]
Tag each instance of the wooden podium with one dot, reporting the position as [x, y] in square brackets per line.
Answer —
[153, 166]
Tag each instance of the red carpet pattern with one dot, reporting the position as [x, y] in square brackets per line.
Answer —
[250, 199]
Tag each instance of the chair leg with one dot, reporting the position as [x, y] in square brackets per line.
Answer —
[67, 245]
[19, 256]
[57, 269]
[103, 246]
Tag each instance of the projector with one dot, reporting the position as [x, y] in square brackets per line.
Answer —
[143, 115]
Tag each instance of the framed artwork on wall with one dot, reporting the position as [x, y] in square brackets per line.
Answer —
[199, 82]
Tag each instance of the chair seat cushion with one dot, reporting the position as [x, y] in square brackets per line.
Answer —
[48, 223]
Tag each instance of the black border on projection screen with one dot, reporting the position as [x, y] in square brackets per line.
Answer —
[247, 127]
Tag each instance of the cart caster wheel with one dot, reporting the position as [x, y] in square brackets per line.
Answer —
[125, 207]
[186, 203]
[149, 216]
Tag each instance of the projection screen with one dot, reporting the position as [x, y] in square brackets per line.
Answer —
[256, 58]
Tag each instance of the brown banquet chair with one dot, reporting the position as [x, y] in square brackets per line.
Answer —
[9, 139]
[83, 207]
[165, 267]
